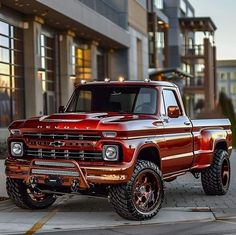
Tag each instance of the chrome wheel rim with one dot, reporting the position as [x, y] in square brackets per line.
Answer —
[147, 191]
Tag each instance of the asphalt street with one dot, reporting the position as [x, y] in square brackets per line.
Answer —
[186, 209]
[219, 227]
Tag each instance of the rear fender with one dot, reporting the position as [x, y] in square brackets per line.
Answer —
[210, 138]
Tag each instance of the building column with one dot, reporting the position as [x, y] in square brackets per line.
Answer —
[67, 78]
[209, 76]
[33, 84]
[94, 46]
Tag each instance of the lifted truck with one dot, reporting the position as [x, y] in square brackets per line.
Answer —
[118, 139]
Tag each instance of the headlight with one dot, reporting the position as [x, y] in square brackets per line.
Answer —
[17, 149]
[110, 152]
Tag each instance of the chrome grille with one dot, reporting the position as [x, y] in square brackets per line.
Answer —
[64, 154]
[63, 136]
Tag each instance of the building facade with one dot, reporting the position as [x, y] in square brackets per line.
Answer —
[46, 47]
[181, 48]
[226, 79]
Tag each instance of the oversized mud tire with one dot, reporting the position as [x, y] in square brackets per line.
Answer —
[27, 198]
[216, 178]
[142, 197]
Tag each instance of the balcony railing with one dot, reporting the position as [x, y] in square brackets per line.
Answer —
[108, 10]
[197, 82]
[194, 50]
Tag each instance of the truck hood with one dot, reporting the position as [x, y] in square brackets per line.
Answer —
[87, 121]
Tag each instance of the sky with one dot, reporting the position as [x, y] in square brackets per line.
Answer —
[223, 14]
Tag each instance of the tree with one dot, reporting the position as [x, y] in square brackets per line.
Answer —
[228, 111]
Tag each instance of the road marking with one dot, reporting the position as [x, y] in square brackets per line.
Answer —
[40, 223]
[226, 222]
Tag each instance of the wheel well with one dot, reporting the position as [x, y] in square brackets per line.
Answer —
[221, 145]
[150, 154]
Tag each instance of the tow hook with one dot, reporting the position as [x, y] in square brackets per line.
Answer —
[33, 181]
[75, 185]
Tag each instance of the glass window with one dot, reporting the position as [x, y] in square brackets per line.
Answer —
[47, 58]
[170, 99]
[5, 69]
[233, 75]
[159, 4]
[81, 59]
[4, 28]
[85, 101]
[11, 74]
[4, 41]
[5, 107]
[223, 76]
[4, 55]
[146, 101]
[4, 81]
[110, 98]
[233, 89]
[183, 6]
[160, 40]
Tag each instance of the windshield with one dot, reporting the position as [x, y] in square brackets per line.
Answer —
[100, 98]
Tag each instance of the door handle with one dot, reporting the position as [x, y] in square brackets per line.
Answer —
[187, 123]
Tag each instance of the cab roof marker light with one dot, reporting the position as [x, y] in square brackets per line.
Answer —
[121, 79]
[107, 79]
[147, 80]
[83, 81]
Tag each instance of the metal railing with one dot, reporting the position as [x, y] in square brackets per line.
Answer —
[194, 50]
[108, 10]
[195, 82]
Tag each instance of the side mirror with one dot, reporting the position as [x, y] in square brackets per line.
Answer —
[173, 111]
[61, 109]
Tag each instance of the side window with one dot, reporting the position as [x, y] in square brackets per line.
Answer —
[170, 99]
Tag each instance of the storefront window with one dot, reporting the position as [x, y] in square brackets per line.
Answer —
[160, 40]
[11, 74]
[82, 62]
[47, 73]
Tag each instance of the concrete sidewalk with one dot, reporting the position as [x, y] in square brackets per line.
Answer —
[185, 202]
[69, 213]
[3, 192]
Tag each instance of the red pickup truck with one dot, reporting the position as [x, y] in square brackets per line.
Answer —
[119, 139]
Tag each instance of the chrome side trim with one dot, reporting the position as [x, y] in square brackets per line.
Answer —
[190, 154]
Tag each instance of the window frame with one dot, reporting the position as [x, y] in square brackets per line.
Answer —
[177, 101]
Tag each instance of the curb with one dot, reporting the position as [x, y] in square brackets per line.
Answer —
[69, 221]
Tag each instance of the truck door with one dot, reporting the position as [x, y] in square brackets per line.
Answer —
[178, 153]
